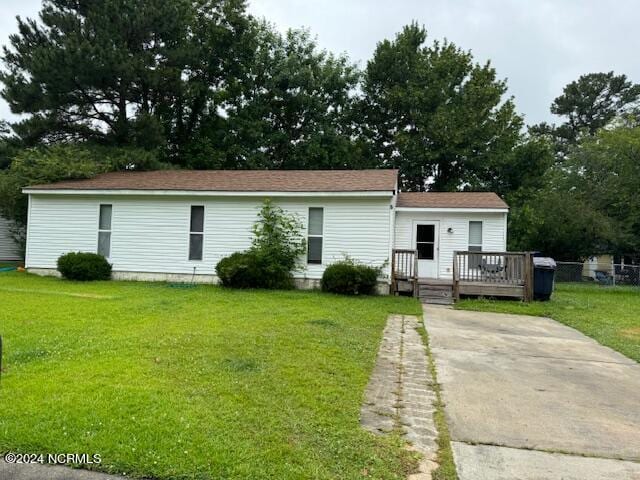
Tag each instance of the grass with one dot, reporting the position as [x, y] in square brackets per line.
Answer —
[611, 315]
[446, 465]
[198, 383]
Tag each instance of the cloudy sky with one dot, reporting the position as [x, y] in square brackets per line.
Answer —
[537, 45]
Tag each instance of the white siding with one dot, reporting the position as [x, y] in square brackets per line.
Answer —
[152, 234]
[9, 250]
[494, 235]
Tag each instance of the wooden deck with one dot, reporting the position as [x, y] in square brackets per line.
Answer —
[488, 274]
[493, 274]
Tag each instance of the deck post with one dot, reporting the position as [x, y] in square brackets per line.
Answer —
[404, 268]
[393, 272]
[415, 274]
[528, 277]
[456, 290]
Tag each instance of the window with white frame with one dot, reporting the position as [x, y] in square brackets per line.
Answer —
[315, 235]
[196, 232]
[475, 236]
[475, 243]
[104, 231]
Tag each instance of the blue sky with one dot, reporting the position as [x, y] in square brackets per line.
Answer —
[537, 45]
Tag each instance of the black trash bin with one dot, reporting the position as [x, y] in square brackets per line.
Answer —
[544, 269]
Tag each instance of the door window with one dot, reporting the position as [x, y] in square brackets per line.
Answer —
[425, 241]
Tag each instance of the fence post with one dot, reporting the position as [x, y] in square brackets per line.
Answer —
[613, 270]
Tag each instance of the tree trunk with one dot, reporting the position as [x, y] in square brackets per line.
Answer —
[122, 124]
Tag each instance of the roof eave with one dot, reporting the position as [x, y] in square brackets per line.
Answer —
[206, 193]
[454, 209]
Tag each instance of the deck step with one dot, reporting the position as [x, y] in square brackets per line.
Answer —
[437, 300]
[435, 288]
[436, 293]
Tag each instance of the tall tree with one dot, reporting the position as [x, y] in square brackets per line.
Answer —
[561, 224]
[586, 205]
[593, 101]
[292, 110]
[8, 145]
[521, 170]
[588, 104]
[432, 112]
[123, 72]
[606, 169]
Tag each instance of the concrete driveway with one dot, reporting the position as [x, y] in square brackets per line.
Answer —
[529, 398]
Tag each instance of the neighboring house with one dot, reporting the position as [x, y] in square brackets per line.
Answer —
[170, 225]
[9, 249]
[598, 263]
[610, 268]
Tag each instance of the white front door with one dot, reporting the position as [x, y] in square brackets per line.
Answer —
[426, 237]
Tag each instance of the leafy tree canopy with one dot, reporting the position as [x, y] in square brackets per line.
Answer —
[593, 101]
[8, 145]
[291, 112]
[588, 204]
[40, 165]
[123, 72]
[432, 112]
[588, 104]
[606, 168]
[561, 224]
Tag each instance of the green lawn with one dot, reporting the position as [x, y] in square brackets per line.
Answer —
[611, 315]
[199, 383]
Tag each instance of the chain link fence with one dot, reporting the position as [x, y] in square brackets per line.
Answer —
[604, 274]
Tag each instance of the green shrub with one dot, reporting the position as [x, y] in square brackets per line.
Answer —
[350, 278]
[276, 247]
[278, 236]
[84, 266]
[253, 269]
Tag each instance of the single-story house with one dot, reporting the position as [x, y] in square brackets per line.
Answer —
[172, 225]
[9, 249]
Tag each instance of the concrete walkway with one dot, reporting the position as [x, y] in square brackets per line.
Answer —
[399, 395]
[529, 398]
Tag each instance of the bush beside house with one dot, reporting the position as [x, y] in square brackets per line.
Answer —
[84, 266]
[350, 278]
[253, 269]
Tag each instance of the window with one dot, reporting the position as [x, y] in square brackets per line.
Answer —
[475, 236]
[314, 240]
[196, 232]
[425, 241]
[475, 244]
[104, 231]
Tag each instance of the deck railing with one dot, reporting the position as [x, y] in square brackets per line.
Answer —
[494, 273]
[404, 270]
